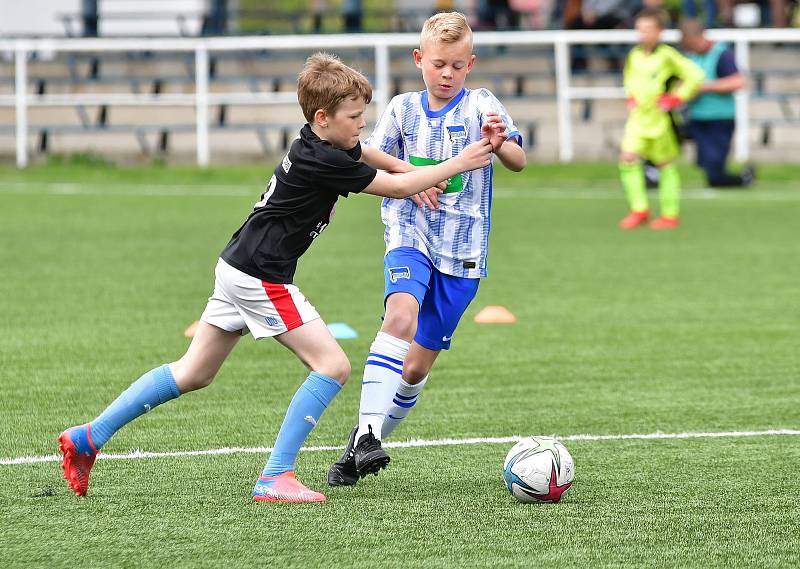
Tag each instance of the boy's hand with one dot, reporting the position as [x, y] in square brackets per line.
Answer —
[630, 103]
[430, 197]
[494, 129]
[668, 101]
[476, 155]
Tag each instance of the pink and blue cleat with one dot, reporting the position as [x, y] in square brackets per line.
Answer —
[79, 455]
[284, 488]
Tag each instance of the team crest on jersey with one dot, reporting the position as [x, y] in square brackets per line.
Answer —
[456, 132]
[397, 273]
[286, 164]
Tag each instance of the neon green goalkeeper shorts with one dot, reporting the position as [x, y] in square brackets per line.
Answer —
[659, 150]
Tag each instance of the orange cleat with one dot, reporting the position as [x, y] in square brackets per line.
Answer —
[77, 465]
[634, 219]
[664, 222]
[284, 488]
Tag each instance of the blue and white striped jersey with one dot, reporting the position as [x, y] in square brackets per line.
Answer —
[456, 236]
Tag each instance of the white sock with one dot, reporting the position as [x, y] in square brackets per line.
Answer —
[382, 374]
[403, 401]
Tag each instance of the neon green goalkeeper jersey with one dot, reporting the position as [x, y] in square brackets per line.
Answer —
[645, 79]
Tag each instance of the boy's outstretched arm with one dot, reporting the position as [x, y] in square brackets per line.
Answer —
[383, 161]
[476, 155]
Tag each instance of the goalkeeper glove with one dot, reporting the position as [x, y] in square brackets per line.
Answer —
[668, 101]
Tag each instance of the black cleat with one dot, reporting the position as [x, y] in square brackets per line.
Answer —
[748, 176]
[369, 457]
[343, 472]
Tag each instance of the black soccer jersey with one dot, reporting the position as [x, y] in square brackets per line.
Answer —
[296, 207]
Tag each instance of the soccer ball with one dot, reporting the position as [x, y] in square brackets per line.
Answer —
[538, 469]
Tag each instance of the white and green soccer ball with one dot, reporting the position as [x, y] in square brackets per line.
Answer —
[538, 469]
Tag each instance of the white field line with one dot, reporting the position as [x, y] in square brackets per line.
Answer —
[167, 190]
[137, 454]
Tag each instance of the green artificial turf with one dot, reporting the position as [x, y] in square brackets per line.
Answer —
[695, 330]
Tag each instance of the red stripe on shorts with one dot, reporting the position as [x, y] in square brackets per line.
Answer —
[280, 296]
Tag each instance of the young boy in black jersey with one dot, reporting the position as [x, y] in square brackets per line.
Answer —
[253, 290]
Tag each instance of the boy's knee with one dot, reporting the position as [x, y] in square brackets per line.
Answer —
[337, 368]
[414, 372]
[400, 324]
[190, 378]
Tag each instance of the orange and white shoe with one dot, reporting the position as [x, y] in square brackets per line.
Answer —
[634, 219]
[664, 222]
[79, 455]
[284, 488]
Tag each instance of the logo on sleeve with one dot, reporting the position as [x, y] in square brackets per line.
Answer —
[456, 132]
[397, 273]
[286, 164]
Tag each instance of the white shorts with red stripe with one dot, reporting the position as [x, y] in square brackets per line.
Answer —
[242, 302]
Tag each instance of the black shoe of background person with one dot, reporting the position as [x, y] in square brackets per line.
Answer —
[748, 175]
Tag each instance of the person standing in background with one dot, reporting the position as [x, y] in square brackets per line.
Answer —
[712, 111]
[352, 14]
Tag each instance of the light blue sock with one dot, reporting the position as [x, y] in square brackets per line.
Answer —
[155, 387]
[309, 402]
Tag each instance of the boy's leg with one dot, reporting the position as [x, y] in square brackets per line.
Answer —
[80, 445]
[406, 277]
[631, 174]
[411, 385]
[442, 309]
[315, 346]
[669, 190]
[382, 376]
[384, 366]
[664, 151]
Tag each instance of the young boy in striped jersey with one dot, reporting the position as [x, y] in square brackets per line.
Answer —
[254, 290]
[435, 256]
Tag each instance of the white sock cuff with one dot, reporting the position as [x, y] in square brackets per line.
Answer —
[409, 389]
[387, 345]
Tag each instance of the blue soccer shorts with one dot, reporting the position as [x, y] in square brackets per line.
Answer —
[442, 298]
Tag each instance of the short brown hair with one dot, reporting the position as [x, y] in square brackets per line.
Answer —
[445, 27]
[655, 14]
[325, 82]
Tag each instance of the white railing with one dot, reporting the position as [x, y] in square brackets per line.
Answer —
[380, 43]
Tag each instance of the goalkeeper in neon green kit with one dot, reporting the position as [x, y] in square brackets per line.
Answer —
[648, 130]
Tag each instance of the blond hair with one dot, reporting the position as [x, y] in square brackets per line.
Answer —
[325, 82]
[445, 27]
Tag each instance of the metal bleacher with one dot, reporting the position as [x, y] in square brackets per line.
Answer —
[522, 76]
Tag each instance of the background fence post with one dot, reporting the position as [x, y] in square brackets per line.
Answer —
[201, 103]
[742, 147]
[21, 92]
[381, 78]
[563, 100]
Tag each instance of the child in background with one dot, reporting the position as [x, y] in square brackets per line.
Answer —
[648, 131]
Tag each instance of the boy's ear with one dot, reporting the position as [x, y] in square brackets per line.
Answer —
[321, 118]
[471, 62]
[418, 58]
